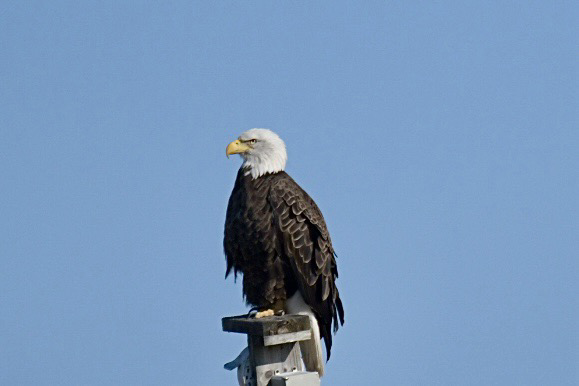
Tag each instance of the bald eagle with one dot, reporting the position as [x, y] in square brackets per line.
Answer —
[276, 236]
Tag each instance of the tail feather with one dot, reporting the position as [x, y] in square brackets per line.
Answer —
[311, 349]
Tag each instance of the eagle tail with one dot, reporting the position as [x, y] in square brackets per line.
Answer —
[312, 348]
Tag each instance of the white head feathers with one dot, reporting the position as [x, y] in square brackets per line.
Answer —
[266, 154]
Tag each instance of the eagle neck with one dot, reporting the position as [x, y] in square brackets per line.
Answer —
[260, 165]
[247, 173]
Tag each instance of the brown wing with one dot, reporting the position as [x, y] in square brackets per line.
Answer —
[308, 247]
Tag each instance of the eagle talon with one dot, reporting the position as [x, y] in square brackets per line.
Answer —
[263, 314]
[252, 312]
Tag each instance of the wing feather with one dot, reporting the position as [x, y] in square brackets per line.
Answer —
[308, 248]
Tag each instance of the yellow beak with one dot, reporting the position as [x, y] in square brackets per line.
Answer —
[236, 147]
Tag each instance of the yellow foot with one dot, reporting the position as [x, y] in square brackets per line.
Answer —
[263, 314]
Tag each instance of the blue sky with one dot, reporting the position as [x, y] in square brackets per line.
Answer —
[440, 139]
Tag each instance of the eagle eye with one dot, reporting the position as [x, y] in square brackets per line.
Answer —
[253, 141]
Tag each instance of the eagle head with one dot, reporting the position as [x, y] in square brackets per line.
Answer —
[262, 150]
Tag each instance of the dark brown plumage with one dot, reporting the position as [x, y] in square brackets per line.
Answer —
[276, 236]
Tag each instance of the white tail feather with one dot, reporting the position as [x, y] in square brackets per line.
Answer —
[311, 349]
